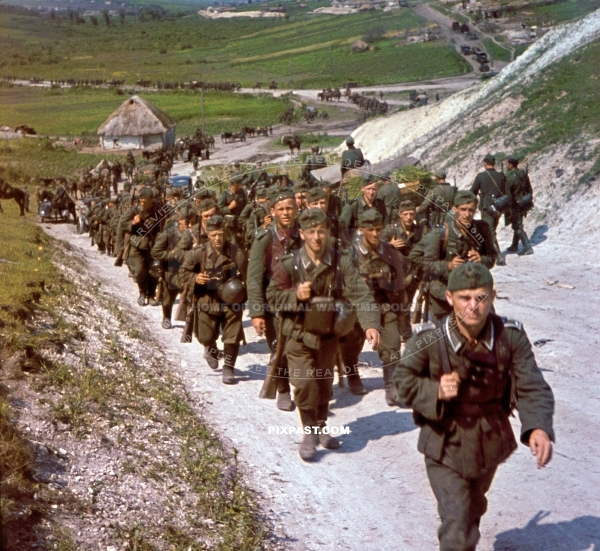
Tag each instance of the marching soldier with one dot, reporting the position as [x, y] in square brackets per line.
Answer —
[317, 270]
[381, 268]
[389, 193]
[439, 201]
[270, 245]
[490, 185]
[313, 161]
[334, 203]
[143, 223]
[300, 190]
[521, 194]
[215, 270]
[166, 249]
[462, 378]
[461, 240]
[367, 201]
[352, 157]
[260, 216]
[403, 236]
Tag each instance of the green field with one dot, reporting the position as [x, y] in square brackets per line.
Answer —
[304, 50]
[498, 53]
[80, 111]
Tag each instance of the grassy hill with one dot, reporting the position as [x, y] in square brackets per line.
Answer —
[307, 49]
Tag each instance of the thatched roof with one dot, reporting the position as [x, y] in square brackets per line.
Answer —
[136, 117]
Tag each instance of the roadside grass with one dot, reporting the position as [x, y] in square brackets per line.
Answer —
[26, 274]
[24, 160]
[109, 386]
[498, 53]
[245, 51]
[558, 12]
[81, 111]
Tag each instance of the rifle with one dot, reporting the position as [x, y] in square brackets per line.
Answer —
[269, 387]
[188, 330]
[416, 317]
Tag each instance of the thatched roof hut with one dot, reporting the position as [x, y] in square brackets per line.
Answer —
[359, 46]
[137, 124]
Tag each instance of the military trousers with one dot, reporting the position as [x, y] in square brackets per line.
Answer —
[389, 350]
[311, 372]
[139, 263]
[404, 318]
[227, 323]
[461, 504]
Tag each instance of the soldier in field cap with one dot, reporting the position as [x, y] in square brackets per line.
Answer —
[490, 185]
[462, 377]
[317, 274]
[352, 157]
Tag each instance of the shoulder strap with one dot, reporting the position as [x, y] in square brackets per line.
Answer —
[494, 182]
[443, 349]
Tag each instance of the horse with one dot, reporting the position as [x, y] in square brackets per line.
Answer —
[226, 137]
[293, 142]
[10, 192]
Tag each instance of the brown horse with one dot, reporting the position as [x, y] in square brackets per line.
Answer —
[292, 141]
[10, 192]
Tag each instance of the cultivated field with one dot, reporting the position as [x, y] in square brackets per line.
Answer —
[303, 49]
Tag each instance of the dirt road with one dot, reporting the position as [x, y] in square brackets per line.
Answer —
[372, 494]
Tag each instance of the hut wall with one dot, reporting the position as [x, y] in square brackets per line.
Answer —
[121, 142]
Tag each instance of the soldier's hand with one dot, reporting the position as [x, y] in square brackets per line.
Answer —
[303, 290]
[136, 219]
[202, 278]
[448, 389]
[455, 262]
[259, 325]
[267, 221]
[232, 205]
[397, 243]
[541, 446]
[474, 256]
[373, 337]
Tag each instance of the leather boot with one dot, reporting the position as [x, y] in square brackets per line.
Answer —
[308, 447]
[355, 385]
[167, 311]
[499, 258]
[326, 440]
[230, 351]
[284, 395]
[211, 355]
[515, 244]
[391, 396]
[527, 248]
[285, 402]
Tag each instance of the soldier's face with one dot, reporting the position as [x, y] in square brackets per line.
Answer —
[182, 224]
[315, 238]
[407, 218]
[146, 202]
[320, 204]
[216, 238]
[300, 200]
[206, 215]
[370, 192]
[471, 306]
[285, 212]
[464, 213]
[371, 236]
